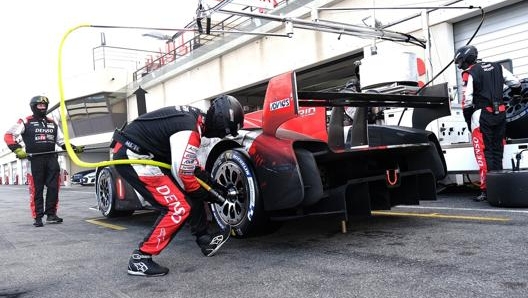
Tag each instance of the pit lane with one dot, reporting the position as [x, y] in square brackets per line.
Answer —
[452, 247]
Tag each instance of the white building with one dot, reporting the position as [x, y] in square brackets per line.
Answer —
[195, 67]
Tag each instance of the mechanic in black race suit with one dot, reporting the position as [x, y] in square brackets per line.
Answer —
[40, 134]
[172, 135]
[484, 109]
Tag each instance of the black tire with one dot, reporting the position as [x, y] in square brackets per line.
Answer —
[517, 119]
[507, 188]
[243, 208]
[105, 189]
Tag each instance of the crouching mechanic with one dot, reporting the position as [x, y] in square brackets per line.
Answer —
[484, 109]
[172, 135]
[40, 135]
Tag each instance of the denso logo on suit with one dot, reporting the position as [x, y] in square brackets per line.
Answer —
[44, 130]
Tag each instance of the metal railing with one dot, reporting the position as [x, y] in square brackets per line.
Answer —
[218, 31]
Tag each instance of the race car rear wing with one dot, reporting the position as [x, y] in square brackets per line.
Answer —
[283, 102]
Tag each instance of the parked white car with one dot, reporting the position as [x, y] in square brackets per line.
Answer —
[88, 179]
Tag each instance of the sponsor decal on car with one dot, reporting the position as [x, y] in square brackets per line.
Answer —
[247, 172]
[280, 104]
[303, 112]
[243, 164]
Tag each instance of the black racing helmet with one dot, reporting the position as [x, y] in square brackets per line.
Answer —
[353, 85]
[224, 117]
[36, 100]
[466, 56]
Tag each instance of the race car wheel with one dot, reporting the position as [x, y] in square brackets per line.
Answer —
[507, 188]
[517, 119]
[105, 189]
[243, 208]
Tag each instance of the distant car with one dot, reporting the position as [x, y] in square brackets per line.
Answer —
[88, 179]
[77, 177]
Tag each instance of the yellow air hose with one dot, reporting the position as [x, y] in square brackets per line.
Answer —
[69, 149]
[71, 153]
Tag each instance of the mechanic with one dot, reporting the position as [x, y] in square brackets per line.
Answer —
[351, 86]
[40, 135]
[484, 109]
[173, 135]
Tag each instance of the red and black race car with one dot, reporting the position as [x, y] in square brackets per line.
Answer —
[291, 160]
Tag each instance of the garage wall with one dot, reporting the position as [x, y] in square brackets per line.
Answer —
[226, 68]
[503, 35]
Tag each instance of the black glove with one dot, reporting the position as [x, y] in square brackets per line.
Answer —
[516, 90]
[206, 178]
[468, 112]
[204, 196]
[203, 175]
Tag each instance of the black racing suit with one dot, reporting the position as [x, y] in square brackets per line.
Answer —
[170, 135]
[485, 113]
[40, 134]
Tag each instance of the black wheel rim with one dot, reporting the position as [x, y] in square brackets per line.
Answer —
[104, 191]
[235, 209]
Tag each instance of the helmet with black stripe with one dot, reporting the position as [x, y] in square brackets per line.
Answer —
[224, 117]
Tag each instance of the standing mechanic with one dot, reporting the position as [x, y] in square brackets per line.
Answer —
[484, 109]
[40, 135]
[172, 135]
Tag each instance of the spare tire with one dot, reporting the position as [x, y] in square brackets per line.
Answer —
[517, 112]
[517, 119]
[507, 188]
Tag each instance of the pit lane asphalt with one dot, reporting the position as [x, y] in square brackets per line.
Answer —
[452, 247]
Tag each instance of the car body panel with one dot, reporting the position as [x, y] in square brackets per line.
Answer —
[299, 166]
[306, 165]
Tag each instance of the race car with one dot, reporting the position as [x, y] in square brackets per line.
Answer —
[290, 160]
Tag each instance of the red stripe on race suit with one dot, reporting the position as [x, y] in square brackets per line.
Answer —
[31, 186]
[167, 194]
[478, 147]
[10, 137]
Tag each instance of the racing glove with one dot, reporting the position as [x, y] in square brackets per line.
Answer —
[78, 149]
[516, 90]
[20, 153]
[206, 177]
[468, 112]
[203, 195]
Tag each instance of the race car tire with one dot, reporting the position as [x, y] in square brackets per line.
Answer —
[517, 119]
[507, 188]
[243, 209]
[105, 189]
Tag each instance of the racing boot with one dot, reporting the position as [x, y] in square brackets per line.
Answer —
[141, 264]
[211, 243]
[53, 219]
[482, 197]
[38, 222]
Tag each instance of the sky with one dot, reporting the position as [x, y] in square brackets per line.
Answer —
[31, 32]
